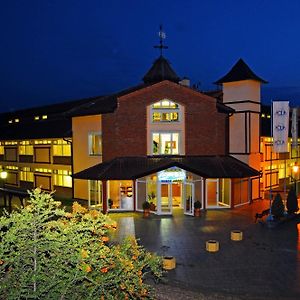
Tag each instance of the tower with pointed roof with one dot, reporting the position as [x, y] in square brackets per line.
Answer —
[241, 91]
[161, 68]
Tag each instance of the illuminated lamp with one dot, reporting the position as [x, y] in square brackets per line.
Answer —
[295, 167]
[169, 263]
[212, 246]
[3, 174]
[236, 235]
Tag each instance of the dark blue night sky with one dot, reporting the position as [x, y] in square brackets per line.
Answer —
[59, 50]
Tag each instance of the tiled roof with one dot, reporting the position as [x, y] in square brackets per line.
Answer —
[101, 105]
[160, 70]
[240, 71]
[139, 166]
[52, 128]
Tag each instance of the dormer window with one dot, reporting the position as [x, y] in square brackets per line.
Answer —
[165, 111]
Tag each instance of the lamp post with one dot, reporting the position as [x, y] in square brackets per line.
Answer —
[3, 176]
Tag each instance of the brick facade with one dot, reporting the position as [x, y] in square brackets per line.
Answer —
[125, 131]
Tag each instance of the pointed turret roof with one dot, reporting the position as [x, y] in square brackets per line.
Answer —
[240, 71]
[160, 70]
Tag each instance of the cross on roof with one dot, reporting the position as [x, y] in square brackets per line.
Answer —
[162, 36]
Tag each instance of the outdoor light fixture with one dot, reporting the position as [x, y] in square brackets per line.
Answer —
[3, 174]
[295, 168]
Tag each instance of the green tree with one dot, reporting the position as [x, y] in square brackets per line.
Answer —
[47, 253]
[292, 202]
[277, 207]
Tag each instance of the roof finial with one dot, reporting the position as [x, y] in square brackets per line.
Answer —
[162, 36]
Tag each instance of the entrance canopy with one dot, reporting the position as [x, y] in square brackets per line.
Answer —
[139, 166]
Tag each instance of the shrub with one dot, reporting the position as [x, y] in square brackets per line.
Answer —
[292, 202]
[277, 207]
[47, 253]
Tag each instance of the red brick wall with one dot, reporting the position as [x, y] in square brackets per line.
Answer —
[125, 131]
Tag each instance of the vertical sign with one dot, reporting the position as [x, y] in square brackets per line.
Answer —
[294, 128]
[280, 126]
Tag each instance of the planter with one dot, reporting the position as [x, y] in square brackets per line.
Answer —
[169, 262]
[197, 212]
[146, 213]
[236, 235]
[212, 246]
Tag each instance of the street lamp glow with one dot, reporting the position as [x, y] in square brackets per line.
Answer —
[295, 168]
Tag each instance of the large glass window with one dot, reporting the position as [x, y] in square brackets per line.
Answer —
[62, 178]
[165, 143]
[26, 174]
[165, 111]
[61, 148]
[25, 148]
[95, 143]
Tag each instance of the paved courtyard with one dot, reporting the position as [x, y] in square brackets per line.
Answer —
[264, 265]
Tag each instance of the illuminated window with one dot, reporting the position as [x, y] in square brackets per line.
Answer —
[165, 143]
[61, 148]
[17, 120]
[44, 117]
[10, 121]
[1, 148]
[42, 142]
[95, 143]
[26, 174]
[36, 118]
[62, 178]
[268, 116]
[165, 111]
[25, 148]
[42, 170]
[263, 115]
[10, 143]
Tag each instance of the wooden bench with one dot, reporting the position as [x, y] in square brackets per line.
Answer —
[262, 214]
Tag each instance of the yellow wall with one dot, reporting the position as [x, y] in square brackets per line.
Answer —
[241, 90]
[81, 127]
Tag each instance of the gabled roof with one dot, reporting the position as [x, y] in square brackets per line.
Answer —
[160, 70]
[240, 71]
[101, 105]
[139, 166]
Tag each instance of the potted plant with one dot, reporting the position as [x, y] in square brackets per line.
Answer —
[292, 202]
[277, 207]
[110, 203]
[197, 207]
[146, 208]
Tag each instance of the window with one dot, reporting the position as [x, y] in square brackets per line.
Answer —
[1, 148]
[26, 174]
[165, 143]
[62, 178]
[95, 143]
[165, 111]
[61, 148]
[25, 148]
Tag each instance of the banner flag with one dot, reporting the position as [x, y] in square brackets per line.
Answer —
[280, 125]
[294, 128]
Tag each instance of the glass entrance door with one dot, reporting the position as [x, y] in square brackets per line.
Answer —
[165, 205]
[95, 194]
[188, 198]
[212, 193]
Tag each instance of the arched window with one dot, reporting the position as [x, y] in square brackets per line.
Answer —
[165, 111]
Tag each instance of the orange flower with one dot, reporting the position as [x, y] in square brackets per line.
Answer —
[1, 262]
[105, 239]
[84, 253]
[77, 208]
[104, 270]
[68, 215]
[134, 257]
[87, 268]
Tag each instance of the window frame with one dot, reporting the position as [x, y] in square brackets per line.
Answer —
[91, 134]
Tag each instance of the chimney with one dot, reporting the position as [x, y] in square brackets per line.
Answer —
[185, 82]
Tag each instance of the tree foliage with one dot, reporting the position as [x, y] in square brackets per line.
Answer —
[277, 207]
[47, 253]
[292, 202]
